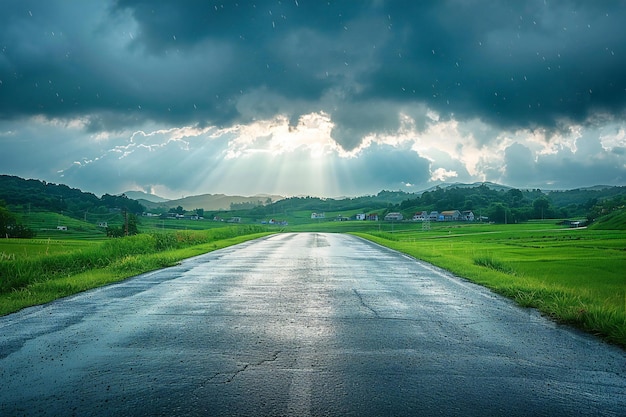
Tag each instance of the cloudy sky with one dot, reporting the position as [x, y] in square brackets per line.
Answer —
[312, 97]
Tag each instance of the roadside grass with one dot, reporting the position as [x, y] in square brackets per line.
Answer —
[573, 276]
[40, 278]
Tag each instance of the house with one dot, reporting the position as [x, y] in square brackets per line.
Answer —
[468, 216]
[341, 218]
[234, 220]
[361, 216]
[434, 215]
[450, 215]
[318, 215]
[103, 224]
[372, 217]
[394, 216]
[64, 228]
[420, 217]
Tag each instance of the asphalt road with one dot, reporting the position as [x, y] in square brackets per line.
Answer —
[301, 324]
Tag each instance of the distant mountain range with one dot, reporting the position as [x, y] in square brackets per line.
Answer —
[446, 185]
[140, 195]
[203, 201]
[225, 202]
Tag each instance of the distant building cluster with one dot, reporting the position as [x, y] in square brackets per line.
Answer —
[445, 216]
[435, 216]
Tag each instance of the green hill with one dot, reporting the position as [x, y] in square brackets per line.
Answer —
[613, 221]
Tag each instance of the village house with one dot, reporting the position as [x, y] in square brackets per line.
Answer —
[450, 216]
[393, 216]
[318, 215]
[361, 216]
[434, 215]
[420, 217]
[468, 216]
[372, 217]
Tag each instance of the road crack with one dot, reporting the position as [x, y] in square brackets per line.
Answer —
[364, 304]
[228, 377]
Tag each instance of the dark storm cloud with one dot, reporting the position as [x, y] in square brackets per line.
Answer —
[511, 64]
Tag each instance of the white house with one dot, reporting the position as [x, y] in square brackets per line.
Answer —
[434, 215]
[420, 217]
[450, 215]
[318, 215]
[360, 216]
[468, 216]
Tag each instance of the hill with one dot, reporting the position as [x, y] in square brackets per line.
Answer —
[613, 221]
[211, 202]
[140, 195]
[34, 194]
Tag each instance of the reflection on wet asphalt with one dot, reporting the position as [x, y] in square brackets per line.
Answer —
[301, 324]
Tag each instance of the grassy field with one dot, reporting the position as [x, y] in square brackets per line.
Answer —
[36, 271]
[576, 276]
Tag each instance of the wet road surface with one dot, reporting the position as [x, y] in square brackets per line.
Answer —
[301, 324]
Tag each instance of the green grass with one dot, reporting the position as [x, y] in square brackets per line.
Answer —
[575, 276]
[70, 267]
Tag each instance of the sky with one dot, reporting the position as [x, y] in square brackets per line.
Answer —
[312, 97]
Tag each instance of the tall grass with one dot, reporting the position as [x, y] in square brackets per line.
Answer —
[123, 253]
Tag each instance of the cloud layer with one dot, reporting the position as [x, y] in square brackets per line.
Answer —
[309, 97]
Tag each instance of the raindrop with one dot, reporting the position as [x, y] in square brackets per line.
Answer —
[273, 25]
[174, 37]
[297, 3]
[194, 106]
[30, 13]
[139, 107]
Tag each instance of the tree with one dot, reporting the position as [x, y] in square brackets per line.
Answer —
[541, 207]
[177, 210]
[9, 227]
[200, 212]
[498, 213]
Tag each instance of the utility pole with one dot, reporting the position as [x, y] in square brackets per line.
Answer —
[125, 223]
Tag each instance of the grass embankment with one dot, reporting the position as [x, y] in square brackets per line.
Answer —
[38, 271]
[575, 276]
